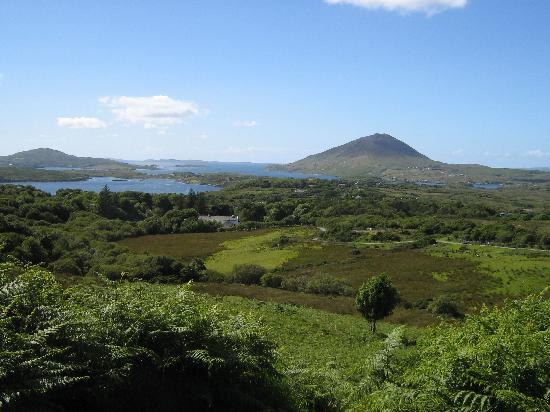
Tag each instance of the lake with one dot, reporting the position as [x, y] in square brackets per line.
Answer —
[164, 167]
[95, 184]
[487, 186]
[201, 167]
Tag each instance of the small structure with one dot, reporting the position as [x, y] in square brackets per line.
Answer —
[227, 222]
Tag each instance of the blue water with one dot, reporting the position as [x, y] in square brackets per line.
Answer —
[431, 183]
[201, 167]
[165, 167]
[487, 186]
[61, 169]
[95, 184]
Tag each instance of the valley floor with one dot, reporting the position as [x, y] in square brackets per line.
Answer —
[469, 275]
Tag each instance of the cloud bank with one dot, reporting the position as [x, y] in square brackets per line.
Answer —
[81, 122]
[151, 111]
[427, 6]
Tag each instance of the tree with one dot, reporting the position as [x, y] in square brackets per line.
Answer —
[376, 299]
[252, 212]
[107, 203]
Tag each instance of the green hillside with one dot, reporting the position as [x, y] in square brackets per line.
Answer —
[43, 157]
[382, 155]
[366, 155]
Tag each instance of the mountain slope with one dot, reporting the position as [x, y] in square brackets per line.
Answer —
[367, 155]
[44, 157]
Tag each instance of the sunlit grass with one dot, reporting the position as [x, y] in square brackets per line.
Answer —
[517, 272]
[260, 249]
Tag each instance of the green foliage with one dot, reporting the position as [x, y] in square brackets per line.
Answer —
[254, 212]
[248, 274]
[34, 359]
[376, 299]
[66, 266]
[327, 285]
[442, 305]
[271, 280]
[107, 203]
[495, 361]
[127, 346]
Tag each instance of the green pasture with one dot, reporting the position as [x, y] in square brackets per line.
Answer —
[467, 275]
[261, 249]
[516, 272]
[307, 336]
[186, 245]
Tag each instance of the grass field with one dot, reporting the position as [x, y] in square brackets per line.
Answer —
[516, 272]
[470, 276]
[187, 245]
[261, 249]
[328, 351]
[414, 272]
[341, 305]
[312, 337]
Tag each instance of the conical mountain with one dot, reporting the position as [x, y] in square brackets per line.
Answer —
[364, 156]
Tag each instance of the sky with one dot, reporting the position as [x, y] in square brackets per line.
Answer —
[462, 81]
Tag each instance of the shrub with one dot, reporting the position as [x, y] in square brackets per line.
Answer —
[66, 266]
[214, 276]
[248, 274]
[326, 285]
[443, 306]
[272, 280]
[282, 241]
[295, 284]
[423, 242]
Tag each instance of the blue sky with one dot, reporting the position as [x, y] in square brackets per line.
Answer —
[274, 80]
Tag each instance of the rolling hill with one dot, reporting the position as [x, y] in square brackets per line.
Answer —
[43, 157]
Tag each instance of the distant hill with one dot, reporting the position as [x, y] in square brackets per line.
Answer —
[382, 155]
[367, 155]
[43, 157]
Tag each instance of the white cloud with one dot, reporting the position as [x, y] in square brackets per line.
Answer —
[427, 6]
[81, 122]
[536, 153]
[150, 111]
[245, 123]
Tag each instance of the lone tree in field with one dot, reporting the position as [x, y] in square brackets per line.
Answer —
[376, 299]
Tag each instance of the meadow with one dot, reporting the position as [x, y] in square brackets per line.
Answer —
[468, 276]
[265, 249]
[185, 245]
[517, 272]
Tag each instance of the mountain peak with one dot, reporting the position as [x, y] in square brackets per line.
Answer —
[365, 155]
[380, 144]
